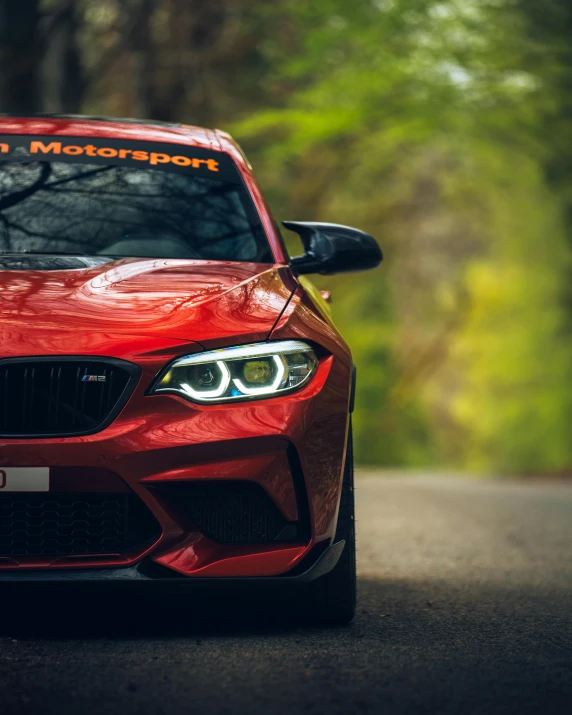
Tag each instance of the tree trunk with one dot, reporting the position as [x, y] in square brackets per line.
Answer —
[62, 77]
[142, 63]
[20, 56]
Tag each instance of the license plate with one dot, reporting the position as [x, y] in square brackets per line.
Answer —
[24, 479]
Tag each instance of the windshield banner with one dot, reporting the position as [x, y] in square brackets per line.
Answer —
[89, 150]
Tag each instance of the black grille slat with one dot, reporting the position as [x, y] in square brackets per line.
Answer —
[47, 397]
[102, 392]
[37, 524]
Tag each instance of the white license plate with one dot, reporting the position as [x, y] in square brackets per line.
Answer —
[24, 479]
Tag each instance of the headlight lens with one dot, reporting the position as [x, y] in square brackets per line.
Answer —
[247, 372]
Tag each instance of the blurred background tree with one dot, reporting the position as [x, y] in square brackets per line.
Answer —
[440, 127]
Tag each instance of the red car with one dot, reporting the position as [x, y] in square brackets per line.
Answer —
[174, 400]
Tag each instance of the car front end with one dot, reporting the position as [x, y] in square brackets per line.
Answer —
[174, 402]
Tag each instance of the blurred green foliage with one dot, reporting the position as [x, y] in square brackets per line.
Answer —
[422, 122]
[441, 127]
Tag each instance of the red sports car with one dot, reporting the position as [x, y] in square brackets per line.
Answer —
[175, 401]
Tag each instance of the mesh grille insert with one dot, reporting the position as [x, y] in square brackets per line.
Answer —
[237, 512]
[40, 524]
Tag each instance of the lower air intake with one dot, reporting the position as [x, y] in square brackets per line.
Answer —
[238, 512]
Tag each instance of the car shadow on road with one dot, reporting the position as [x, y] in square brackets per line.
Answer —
[57, 613]
[415, 614]
[423, 646]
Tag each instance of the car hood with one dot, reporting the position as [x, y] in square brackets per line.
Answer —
[209, 302]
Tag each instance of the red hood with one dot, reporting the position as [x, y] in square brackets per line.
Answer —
[209, 302]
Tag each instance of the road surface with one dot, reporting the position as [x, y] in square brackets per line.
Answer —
[465, 606]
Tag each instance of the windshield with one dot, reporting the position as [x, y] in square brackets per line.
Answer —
[115, 198]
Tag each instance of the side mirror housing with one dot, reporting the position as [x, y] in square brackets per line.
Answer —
[331, 248]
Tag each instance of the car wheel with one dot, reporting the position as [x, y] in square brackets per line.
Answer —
[331, 599]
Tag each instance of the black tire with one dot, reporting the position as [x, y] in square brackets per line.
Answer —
[331, 599]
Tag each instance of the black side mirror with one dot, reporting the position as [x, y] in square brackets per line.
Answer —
[331, 248]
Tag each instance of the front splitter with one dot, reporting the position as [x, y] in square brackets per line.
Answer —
[145, 577]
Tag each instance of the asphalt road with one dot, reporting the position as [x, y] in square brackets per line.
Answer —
[465, 606]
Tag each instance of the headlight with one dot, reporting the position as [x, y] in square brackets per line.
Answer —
[248, 372]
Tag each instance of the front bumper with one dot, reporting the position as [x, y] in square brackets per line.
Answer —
[291, 446]
[149, 578]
